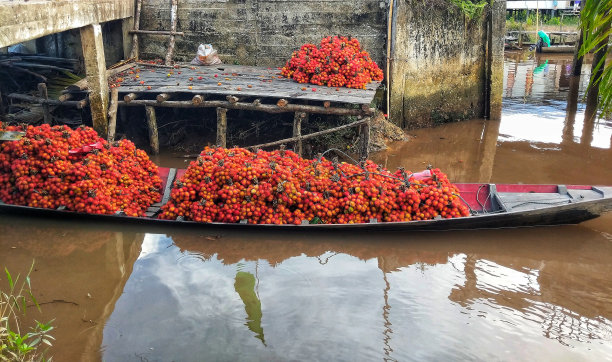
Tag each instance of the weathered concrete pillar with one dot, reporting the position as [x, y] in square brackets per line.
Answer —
[496, 58]
[127, 24]
[95, 67]
[438, 66]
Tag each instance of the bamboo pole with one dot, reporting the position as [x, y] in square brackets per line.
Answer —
[364, 135]
[157, 32]
[388, 58]
[197, 99]
[297, 130]
[134, 52]
[82, 84]
[269, 108]
[162, 97]
[112, 114]
[42, 91]
[173, 21]
[315, 134]
[54, 102]
[130, 97]
[222, 127]
[2, 110]
[153, 135]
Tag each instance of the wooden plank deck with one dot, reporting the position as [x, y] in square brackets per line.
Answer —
[240, 81]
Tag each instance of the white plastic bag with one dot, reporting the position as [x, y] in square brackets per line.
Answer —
[206, 55]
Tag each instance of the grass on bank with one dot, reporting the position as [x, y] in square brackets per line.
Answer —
[16, 344]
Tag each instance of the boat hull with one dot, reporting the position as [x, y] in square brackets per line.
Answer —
[489, 216]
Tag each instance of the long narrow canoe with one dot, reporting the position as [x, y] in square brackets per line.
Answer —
[492, 206]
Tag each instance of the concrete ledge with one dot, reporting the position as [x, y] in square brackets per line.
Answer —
[25, 20]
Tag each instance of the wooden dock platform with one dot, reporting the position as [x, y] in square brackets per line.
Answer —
[227, 87]
[234, 80]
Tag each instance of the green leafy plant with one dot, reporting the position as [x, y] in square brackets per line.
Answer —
[471, 9]
[596, 27]
[15, 346]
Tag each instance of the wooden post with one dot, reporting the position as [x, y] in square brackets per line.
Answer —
[135, 53]
[153, 135]
[129, 97]
[232, 99]
[297, 130]
[197, 99]
[222, 127]
[42, 92]
[112, 114]
[162, 97]
[2, 110]
[95, 67]
[364, 135]
[173, 21]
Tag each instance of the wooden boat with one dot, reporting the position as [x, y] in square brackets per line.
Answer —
[558, 49]
[492, 206]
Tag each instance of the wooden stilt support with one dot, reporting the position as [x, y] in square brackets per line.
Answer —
[173, 21]
[297, 130]
[197, 99]
[95, 67]
[2, 110]
[65, 97]
[222, 127]
[26, 98]
[134, 53]
[232, 99]
[129, 97]
[112, 114]
[162, 97]
[364, 136]
[153, 135]
[42, 92]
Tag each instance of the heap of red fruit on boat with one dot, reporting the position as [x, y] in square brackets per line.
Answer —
[337, 62]
[280, 187]
[57, 167]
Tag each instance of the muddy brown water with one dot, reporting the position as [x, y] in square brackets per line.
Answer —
[121, 293]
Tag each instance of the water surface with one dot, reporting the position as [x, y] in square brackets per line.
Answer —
[131, 294]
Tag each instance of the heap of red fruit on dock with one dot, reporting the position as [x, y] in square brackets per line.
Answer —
[279, 187]
[337, 62]
[57, 167]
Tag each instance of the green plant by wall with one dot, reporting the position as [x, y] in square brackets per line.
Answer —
[16, 345]
[471, 8]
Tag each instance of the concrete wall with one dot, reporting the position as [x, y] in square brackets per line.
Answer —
[26, 20]
[438, 64]
[262, 32]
